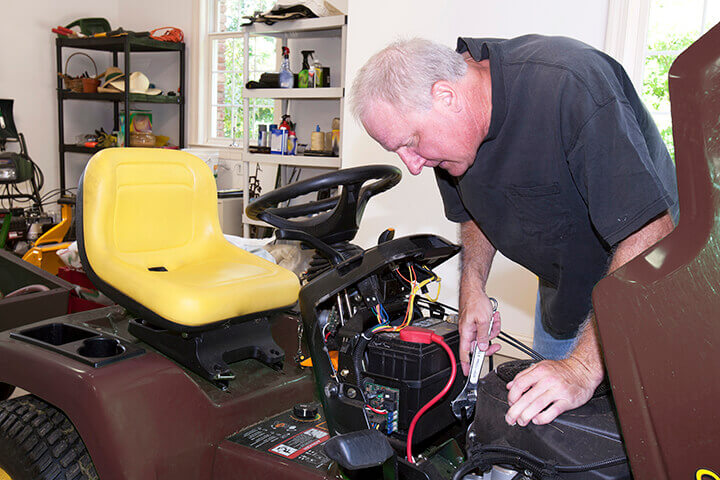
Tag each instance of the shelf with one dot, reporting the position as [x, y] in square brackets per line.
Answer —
[300, 93]
[322, 27]
[120, 97]
[80, 149]
[259, 223]
[116, 44]
[293, 160]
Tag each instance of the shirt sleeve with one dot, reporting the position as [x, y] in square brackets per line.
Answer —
[614, 173]
[454, 209]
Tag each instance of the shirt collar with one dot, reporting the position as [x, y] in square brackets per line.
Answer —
[482, 49]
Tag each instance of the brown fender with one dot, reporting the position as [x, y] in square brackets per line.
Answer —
[146, 417]
[658, 315]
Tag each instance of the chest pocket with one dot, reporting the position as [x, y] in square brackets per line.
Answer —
[542, 213]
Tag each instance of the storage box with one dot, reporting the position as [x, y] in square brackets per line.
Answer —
[140, 122]
[32, 307]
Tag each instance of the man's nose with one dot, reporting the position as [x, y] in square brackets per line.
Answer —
[412, 161]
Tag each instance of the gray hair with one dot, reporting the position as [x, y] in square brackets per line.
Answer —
[403, 73]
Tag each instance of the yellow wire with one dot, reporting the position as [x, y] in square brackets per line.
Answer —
[437, 295]
[414, 289]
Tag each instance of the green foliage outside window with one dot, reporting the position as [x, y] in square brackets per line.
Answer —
[262, 59]
[655, 91]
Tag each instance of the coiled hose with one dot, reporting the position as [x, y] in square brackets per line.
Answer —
[485, 456]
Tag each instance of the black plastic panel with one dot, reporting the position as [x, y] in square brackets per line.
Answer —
[82, 344]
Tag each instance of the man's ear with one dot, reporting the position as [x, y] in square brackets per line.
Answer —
[444, 93]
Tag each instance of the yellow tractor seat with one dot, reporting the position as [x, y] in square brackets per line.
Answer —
[149, 238]
[150, 231]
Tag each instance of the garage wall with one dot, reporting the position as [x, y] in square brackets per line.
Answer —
[28, 71]
[162, 68]
[27, 60]
[415, 205]
[28, 63]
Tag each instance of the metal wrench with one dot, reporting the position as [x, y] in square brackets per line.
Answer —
[464, 405]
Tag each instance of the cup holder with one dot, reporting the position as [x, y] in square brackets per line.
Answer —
[101, 347]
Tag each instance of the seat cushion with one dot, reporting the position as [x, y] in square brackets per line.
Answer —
[225, 284]
[149, 236]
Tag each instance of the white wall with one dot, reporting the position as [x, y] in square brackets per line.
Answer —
[28, 71]
[27, 61]
[415, 205]
[161, 68]
[28, 76]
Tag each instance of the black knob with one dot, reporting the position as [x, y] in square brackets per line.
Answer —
[305, 411]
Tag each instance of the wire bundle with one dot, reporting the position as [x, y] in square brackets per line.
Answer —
[415, 288]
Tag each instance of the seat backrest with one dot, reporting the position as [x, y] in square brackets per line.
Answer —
[147, 207]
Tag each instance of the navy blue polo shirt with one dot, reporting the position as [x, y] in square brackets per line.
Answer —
[572, 164]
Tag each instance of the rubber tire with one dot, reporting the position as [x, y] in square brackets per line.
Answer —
[38, 442]
[6, 390]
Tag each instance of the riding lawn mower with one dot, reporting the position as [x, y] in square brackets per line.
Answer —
[191, 376]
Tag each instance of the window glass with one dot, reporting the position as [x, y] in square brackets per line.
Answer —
[226, 108]
[672, 26]
[230, 13]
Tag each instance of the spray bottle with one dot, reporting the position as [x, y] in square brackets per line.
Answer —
[315, 75]
[285, 76]
[303, 76]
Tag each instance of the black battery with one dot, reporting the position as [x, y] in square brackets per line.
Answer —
[417, 372]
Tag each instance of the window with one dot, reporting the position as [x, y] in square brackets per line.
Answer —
[223, 107]
[646, 36]
[672, 26]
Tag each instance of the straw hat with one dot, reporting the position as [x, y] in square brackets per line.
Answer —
[139, 83]
[112, 73]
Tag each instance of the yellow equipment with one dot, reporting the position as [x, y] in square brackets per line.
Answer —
[43, 254]
[150, 231]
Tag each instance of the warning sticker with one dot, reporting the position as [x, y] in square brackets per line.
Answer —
[284, 435]
[301, 443]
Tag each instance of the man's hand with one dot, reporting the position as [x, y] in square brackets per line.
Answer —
[549, 388]
[543, 391]
[473, 325]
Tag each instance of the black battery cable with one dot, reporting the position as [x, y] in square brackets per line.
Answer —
[509, 339]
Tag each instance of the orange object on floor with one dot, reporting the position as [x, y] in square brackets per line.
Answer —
[43, 254]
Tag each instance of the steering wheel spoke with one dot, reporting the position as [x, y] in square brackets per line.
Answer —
[330, 220]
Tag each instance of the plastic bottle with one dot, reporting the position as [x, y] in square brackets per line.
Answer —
[316, 72]
[276, 141]
[286, 76]
[303, 76]
[292, 143]
[287, 122]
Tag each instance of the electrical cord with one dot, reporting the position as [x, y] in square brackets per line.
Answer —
[506, 337]
[27, 289]
[484, 456]
[423, 335]
[170, 34]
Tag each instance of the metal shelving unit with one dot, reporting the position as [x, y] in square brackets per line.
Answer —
[126, 45]
[331, 28]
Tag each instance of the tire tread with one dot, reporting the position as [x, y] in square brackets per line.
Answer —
[46, 442]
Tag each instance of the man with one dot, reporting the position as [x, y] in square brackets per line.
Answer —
[542, 150]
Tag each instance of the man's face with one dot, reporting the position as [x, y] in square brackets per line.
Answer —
[428, 138]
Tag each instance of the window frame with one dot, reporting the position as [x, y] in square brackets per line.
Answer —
[625, 35]
[200, 93]
[626, 41]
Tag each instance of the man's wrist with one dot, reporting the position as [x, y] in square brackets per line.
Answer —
[471, 279]
[588, 368]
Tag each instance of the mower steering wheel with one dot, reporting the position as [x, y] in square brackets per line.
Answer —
[334, 219]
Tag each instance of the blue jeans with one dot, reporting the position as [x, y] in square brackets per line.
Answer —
[544, 343]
